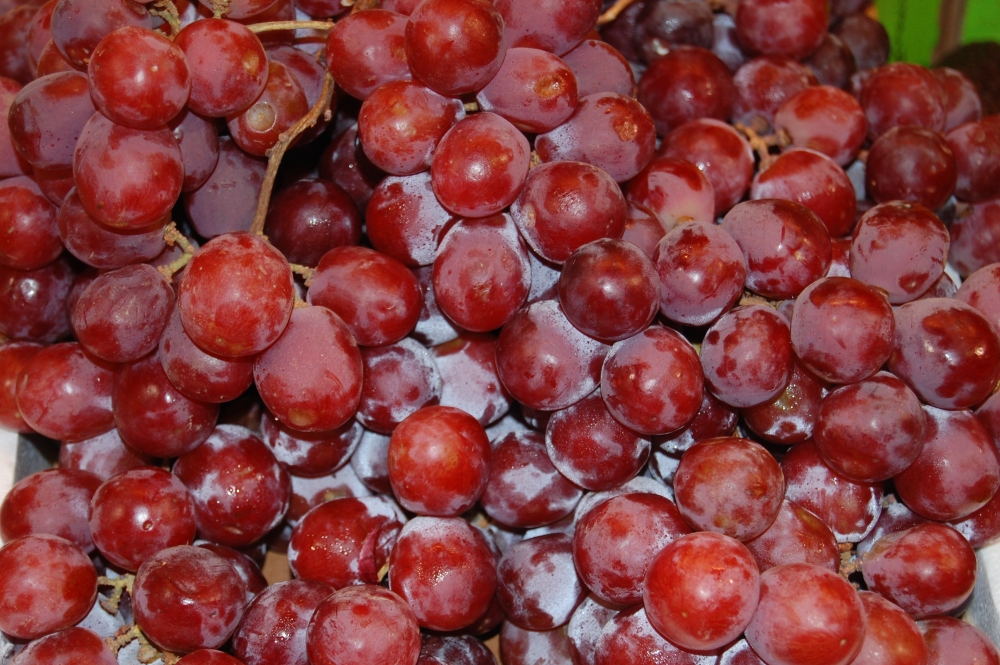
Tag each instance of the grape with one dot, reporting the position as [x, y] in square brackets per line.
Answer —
[53, 501]
[538, 586]
[950, 640]
[701, 590]
[747, 356]
[46, 584]
[344, 162]
[867, 40]
[806, 615]
[609, 289]
[13, 357]
[236, 295]
[367, 49]
[791, 416]
[187, 598]
[328, 542]
[439, 461]
[675, 190]
[795, 536]
[30, 237]
[121, 315]
[78, 26]
[239, 490]
[976, 148]
[384, 311]
[871, 430]
[832, 63]
[454, 650]
[973, 238]
[311, 377]
[480, 165]
[351, 627]
[404, 219]
[630, 639]
[138, 513]
[792, 28]
[138, 78]
[273, 627]
[609, 130]
[47, 117]
[310, 454]
[455, 46]
[444, 568]
[891, 636]
[532, 647]
[72, 645]
[946, 351]
[65, 394]
[599, 67]
[900, 94]
[849, 508]
[199, 375]
[614, 543]
[824, 119]
[702, 273]
[661, 26]
[729, 485]
[721, 153]
[565, 205]
[652, 382]
[533, 89]
[152, 416]
[843, 329]
[714, 419]
[481, 272]
[524, 489]
[209, 657]
[588, 446]
[551, 25]
[281, 104]
[102, 247]
[786, 245]
[928, 569]
[224, 201]
[814, 180]
[15, 58]
[399, 379]
[956, 471]
[686, 84]
[105, 455]
[544, 362]
[764, 82]
[469, 377]
[228, 66]
[911, 164]
[961, 99]
[127, 178]
[401, 124]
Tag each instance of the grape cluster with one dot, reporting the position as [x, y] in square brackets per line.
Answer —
[649, 332]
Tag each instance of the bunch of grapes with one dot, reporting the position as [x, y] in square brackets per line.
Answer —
[646, 332]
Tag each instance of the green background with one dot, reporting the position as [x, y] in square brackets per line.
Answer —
[913, 25]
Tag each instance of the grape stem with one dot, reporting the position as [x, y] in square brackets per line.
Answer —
[760, 144]
[306, 272]
[271, 26]
[174, 237]
[147, 652]
[167, 10]
[220, 8]
[119, 585]
[613, 11]
[276, 152]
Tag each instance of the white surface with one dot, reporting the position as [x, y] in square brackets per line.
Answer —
[8, 455]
